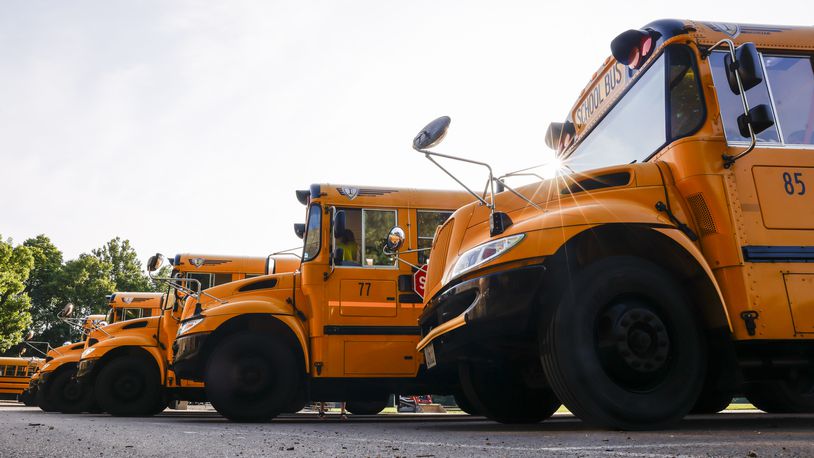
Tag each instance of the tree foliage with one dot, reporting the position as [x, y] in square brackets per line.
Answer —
[15, 266]
[39, 283]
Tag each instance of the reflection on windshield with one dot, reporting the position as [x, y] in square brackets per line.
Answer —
[311, 246]
[791, 79]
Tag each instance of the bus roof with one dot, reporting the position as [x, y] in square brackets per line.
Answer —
[135, 299]
[609, 82]
[371, 196]
[210, 263]
[19, 361]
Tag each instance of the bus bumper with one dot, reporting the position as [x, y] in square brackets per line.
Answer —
[188, 361]
[468, 320]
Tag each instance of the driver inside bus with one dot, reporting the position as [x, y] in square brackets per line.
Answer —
[350, 249]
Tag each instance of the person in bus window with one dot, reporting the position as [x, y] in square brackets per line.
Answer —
[350, 249]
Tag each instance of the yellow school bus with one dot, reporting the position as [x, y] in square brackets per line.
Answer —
[141, 349]
[670, 263]
[15, 374]
[57, 388]
[341, 327]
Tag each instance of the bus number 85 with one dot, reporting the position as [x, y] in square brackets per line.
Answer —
[791, 181]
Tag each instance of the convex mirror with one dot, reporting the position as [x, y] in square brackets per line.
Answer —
[66, 311]
[155, 262]
[395, 239]
[747, 66]
[432, 133]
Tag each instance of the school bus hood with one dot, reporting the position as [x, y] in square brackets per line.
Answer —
[620, 194]
[256, 287]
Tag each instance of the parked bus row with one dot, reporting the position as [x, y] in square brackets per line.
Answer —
[666, 268]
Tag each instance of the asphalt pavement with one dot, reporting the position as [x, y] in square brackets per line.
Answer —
[29, 432]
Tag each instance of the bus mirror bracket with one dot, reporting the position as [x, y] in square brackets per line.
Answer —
[431, 135]
[743, 73]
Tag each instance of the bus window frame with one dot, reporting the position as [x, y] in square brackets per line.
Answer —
[362, 265]
[318, 232]
[419, 238]
[778, 125]
[693, 51]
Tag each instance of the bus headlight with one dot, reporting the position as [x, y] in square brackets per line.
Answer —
[484, 253]
[87, 352]
[188, 324]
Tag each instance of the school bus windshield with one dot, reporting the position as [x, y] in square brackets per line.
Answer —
[663, 105]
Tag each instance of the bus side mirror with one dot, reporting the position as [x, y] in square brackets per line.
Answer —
[432, 133]
[553, 134]
[30, 335]
[747, 66]
[395, 239]
[759, 116]
[155, 262]
[270, 263]
[66, 311]
[299, 229]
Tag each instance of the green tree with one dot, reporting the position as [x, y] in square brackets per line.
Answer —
[126, 271]
[44, 285]
[15, 266]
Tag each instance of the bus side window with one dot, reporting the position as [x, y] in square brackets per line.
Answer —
[377, 224]
[221, 279]
[731, 105]
[686, 106]
[791, 79]
[428, 222]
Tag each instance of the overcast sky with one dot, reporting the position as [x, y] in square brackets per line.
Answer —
[187, 126]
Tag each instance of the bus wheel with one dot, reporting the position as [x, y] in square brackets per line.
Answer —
[622, 348]
[43, 402]
[67, 395]
[782, 396]
[366, 407]
[128, 386]
[251, 377]
[500, 395]
[463, 403]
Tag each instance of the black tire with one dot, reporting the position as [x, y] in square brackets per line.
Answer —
[128, 386]
[622, 348]
[44, 402]
[366, 407]
[500, 394]
[252, 377]
[463, 403]
[780, 396]
[66, 394]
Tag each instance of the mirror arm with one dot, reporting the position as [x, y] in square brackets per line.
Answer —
[428, 155]
[729, 160]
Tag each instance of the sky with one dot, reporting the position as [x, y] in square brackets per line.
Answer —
[186, 126]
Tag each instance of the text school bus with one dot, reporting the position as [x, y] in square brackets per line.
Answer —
[57, 388]
[127, 365]
[341, 327]
[15, 374]
[670, 265]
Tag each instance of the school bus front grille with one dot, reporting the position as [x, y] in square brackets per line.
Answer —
[438, 255]
[706, 223]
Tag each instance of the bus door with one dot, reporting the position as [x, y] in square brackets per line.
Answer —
[773, 204]
[366, 331]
